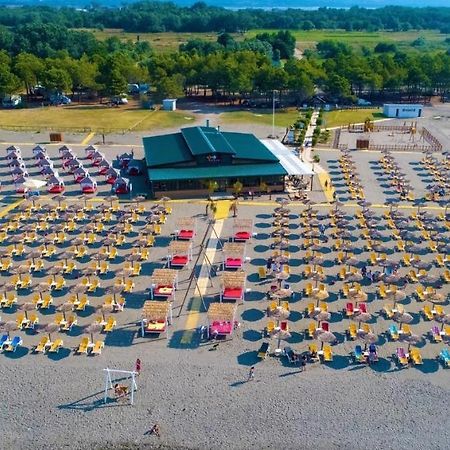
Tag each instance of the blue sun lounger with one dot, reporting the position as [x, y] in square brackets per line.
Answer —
[445, 357]
[12, 346]
[3, 341]
[358, 354]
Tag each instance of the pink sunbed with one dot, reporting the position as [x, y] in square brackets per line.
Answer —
[232, 293]
[221, 327]
[242, 236]
[233, 263]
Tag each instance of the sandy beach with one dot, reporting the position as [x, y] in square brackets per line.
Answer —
[199, 394]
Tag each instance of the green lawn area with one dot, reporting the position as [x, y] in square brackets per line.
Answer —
[95, 118]
[358, 39]
[160, 42]
[283, 118]
[344, 117]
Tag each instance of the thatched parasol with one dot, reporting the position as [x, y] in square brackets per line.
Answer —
[51, 328]
[9, 326]
[93, 328]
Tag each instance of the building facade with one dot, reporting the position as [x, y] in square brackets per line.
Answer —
[402, 111]
[198, 161]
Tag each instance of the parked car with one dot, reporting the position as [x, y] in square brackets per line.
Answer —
[11, 101]
[119, 100]
[60, 100]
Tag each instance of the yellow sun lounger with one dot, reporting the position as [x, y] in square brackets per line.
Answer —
[97, 349]
[43, 344]
[56, 345]
[84, 346]
[327, 354]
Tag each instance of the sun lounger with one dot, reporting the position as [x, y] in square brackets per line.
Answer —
[327, 354]
[84, 346]
[352, 331]
[311, 330]
[55, 346]
[401, 356]
[358, 355]
[373, 354]
[110, 324]
[292, 357]
[12, 346]
[436, 334]
[270, 327]
[444, 356]
[393, 332]
[69, 323]
[98, 347]
[3, 340]
[263, 350]
[415, 356]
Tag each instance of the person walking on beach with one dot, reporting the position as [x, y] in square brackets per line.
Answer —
[303, 362]
[155, 430]
[138, 367]
[207, 210]
[251, 374]
[233, 208]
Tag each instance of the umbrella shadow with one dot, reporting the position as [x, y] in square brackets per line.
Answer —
[19, 353]
[88, 310]
[261, 248]
[295, 338]
[262, 237]
[252, 335]
[263, 225]
[428, 366]
[253, 278]
[120, 337]
[258, 262]
[61, 354]
[249, 358]
[185, 339]
[253, 296]
[382, 365]
[263, 216]
[75, 331]
[339, 362]
[252, 315]
[295, 316]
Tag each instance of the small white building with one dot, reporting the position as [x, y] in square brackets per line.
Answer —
[170, 104]
[402, 110]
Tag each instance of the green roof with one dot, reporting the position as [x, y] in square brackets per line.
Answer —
[205, 141]
[166, 149]
[238, 171]
[192, 142]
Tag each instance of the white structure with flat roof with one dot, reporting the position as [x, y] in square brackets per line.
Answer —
[402, 110]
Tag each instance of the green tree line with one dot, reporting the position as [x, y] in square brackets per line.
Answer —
[165, 16]
[223, 70]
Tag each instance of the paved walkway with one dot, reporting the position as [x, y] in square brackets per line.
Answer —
[202, 285]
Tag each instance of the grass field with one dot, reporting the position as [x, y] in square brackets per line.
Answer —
[167, 42]
[359, 39]
[339, 118]
[95, 118]
[283, 118]
[160, 42]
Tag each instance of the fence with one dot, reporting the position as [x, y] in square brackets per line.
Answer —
[27, 128]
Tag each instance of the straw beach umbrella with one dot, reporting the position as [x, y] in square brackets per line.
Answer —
[51, 328]
[93, 328]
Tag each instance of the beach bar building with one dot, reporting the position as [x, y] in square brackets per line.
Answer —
[187, 163]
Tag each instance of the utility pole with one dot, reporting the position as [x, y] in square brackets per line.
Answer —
[273, 114]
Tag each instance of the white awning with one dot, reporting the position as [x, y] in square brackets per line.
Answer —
[288, 159]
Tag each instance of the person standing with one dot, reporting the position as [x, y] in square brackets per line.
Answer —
[234, 208]
[251, 374]
[207, 209]
[138, 367]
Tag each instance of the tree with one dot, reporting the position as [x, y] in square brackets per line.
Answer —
[28, 68]
[170, 87]
[9, 83]
[55, 79]
[237, 188]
